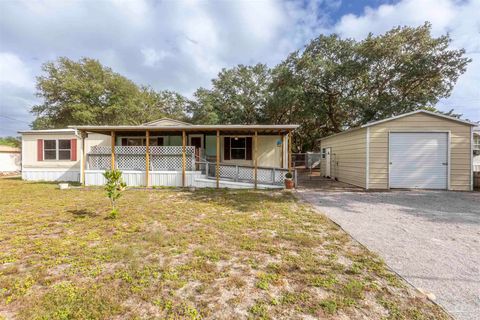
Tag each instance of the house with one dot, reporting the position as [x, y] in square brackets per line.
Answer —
[420, 149]
[10, 159]
[164, 152]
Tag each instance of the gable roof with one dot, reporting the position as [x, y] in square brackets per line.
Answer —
[373, 123]
[415, 112]
[166, 122]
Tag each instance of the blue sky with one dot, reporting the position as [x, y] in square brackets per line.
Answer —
[182, 45]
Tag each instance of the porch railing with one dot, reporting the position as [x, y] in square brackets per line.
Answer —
[167, 158]
[240, 173]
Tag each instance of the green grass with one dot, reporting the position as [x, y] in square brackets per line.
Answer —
[178, 254]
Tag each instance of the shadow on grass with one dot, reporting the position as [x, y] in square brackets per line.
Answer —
[82, 213]
[242, 200]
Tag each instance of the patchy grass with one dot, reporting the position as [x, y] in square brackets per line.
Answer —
[189, 255]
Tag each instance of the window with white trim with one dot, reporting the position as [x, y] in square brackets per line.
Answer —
[57, 149]
[324, 153]
[238, 148]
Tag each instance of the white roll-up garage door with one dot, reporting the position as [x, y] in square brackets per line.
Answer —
[418, 160]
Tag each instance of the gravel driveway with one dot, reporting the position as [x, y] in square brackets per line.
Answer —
[431, 238]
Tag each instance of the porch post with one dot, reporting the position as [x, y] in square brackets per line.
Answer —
[184, 159]
[255, 162]
[217, 167]
[283, 146]
[147, 158]
[112, 134]
[289, 151]
[83, 159]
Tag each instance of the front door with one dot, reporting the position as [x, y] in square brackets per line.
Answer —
[197, 143]
[327, 162]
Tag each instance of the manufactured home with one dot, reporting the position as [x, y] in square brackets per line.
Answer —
[420, 149]
[165, 152]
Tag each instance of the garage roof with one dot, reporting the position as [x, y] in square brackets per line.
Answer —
[419, 111]
[401, 116]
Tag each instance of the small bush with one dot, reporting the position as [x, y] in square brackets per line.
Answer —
[114, 187]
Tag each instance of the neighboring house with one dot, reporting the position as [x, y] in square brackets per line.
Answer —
[420, 149]
[476, 149]
[10, 159]
[165, 152]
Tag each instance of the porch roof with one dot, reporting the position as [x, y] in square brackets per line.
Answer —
[191, 128]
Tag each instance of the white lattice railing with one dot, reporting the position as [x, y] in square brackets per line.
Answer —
[265, 175]
[168, 158]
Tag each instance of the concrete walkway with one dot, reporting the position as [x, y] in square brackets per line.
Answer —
[431, 238]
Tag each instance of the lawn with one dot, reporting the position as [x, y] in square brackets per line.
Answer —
[182, 254]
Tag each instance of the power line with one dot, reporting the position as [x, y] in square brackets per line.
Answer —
[10, 118]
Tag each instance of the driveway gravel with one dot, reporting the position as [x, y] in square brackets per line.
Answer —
[430, 238]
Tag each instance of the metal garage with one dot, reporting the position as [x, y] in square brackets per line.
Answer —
[420, 149]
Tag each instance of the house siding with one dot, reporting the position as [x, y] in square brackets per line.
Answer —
[348, 157]
[269, 154]
[460, 159]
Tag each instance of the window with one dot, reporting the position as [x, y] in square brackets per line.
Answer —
[57, 149]
[64, 149]
[142, 141]
[238, 148]
[50, 149]
[324, 153]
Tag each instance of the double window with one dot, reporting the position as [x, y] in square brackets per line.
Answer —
[324, 153]
[237, 148]
[57, 149]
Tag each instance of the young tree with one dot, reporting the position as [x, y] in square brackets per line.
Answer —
[114, 187]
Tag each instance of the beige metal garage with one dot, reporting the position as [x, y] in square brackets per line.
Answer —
[420, 149]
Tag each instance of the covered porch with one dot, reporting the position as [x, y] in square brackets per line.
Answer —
[185, 155]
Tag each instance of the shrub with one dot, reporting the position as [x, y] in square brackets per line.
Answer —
[289, 175]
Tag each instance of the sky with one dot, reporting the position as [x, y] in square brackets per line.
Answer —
[181, 45]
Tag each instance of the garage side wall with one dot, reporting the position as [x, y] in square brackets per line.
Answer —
[348, 157]
[460, 165]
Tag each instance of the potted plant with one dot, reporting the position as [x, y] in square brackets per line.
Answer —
[289, 181]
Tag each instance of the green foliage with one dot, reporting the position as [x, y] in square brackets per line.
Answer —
[86, 92]
[114, 187]
[11, 141]
[289, 175]
[238, 96]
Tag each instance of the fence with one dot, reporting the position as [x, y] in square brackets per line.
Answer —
[307, 160]
[168, 158]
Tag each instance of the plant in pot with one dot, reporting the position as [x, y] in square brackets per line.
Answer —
[289, 181]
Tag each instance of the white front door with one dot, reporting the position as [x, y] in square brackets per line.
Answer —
[418, 160]
[327, 162]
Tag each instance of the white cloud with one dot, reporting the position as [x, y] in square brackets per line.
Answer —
[14, 72]
[152, 57]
